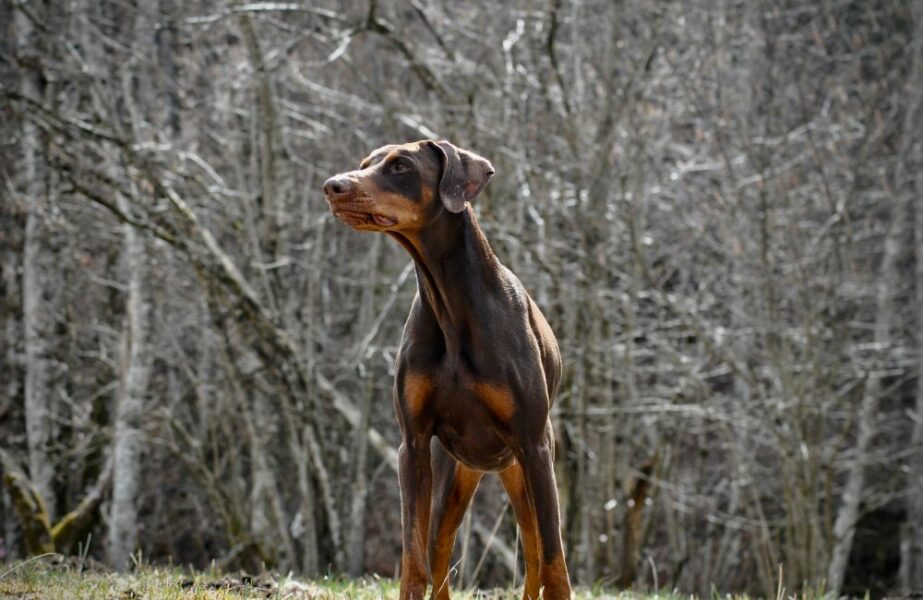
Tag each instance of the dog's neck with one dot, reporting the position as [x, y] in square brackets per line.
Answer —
[456, 273]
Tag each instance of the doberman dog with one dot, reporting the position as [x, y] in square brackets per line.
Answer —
[478, 366]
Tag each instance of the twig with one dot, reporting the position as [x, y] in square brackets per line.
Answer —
[25, 562]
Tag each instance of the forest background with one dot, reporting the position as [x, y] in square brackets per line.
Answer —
[717, 204]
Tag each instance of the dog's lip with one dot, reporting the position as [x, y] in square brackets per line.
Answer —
[383, 220]
[351, 215]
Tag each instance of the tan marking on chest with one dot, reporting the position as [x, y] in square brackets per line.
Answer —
[417, 391]
[498, 399]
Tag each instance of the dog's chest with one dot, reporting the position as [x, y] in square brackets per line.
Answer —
[472, 420]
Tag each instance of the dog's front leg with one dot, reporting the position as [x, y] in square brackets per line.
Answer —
[416, 481]
[537, 461]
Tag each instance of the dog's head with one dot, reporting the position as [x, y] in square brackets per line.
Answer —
[404, 187]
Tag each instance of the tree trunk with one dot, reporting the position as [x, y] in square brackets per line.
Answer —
[271, 153]
[11, 369]
[634, 519]
[136, 367]
[267, 510]
[38, 319]
[355, 534]
[912, 545]
[136, 352]
[844, 527]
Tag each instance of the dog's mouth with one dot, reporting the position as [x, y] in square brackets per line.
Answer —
[355, 218]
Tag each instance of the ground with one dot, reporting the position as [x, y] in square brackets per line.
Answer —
[54, 577]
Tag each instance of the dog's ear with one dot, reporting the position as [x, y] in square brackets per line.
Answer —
[464, 175]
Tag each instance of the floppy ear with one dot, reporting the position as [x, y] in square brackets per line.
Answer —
[464, 175]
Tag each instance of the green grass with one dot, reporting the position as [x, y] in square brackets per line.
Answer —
[55, 577]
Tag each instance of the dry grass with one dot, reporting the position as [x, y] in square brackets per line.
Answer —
[54, 577]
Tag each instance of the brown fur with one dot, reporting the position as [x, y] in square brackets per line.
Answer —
[478, 367]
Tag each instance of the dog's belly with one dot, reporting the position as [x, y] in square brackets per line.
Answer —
[475, 447]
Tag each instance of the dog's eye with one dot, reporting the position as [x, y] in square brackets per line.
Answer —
[399, 166]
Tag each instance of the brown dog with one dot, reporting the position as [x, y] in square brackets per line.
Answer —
[478, 366]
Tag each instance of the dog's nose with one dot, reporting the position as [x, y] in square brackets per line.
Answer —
[336, 186]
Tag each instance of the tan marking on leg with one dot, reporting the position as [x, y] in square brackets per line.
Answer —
[515, 484]
[417, 391]
[447, 517]
[555, 580]
[497, 399]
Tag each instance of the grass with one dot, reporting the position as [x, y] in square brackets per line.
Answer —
[55, 577]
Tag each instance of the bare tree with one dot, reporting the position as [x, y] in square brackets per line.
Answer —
[912, 188]
[708, 201]
[38, 312]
